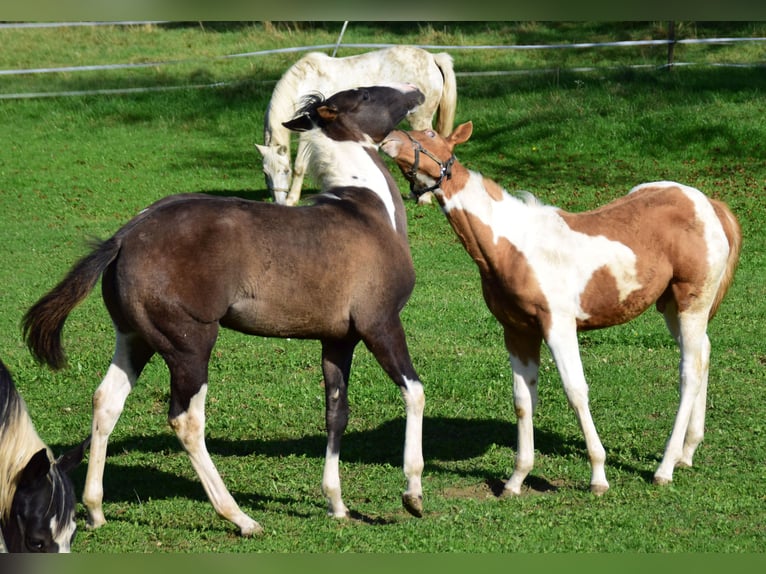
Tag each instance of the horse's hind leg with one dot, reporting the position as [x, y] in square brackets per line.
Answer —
[689, 331]
[389, 346]
[188, 380]
[130, 356]
[336, 367]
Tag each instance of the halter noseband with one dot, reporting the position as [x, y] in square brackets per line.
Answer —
[445, 169]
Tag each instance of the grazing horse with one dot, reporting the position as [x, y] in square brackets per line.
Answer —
[546, 274]
[37, 500]
[319, 73]
[339, 271]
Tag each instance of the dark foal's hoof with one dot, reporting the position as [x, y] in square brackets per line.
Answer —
[413, 504]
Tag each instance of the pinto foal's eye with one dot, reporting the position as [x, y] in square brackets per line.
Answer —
[431, 133]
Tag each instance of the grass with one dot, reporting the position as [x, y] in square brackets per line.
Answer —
[81, 166]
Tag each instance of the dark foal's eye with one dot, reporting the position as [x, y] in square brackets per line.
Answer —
[431, 133]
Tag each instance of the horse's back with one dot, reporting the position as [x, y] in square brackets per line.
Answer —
[259, 267]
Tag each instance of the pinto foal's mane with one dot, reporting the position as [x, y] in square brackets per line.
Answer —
[18, 441]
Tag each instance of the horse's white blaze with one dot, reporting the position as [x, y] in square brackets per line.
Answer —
[63, 534]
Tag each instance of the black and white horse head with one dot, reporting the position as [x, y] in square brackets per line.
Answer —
[37, 499]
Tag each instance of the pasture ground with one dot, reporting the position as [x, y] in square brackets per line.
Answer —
[75, 167]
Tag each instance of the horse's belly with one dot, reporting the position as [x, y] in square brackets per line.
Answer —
[285, 317]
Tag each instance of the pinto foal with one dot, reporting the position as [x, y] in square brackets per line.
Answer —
[546, 274]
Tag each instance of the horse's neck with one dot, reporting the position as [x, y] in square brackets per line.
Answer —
[341, 164]
[282, 107]
[479, 211]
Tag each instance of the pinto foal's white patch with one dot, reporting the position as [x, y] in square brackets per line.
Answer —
[553, 249]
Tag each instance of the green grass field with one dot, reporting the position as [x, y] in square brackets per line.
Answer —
[76, 167]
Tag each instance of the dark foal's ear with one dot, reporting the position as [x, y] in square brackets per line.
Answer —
[302, 123]
[327, 113]
[37, 467]
[70, 459]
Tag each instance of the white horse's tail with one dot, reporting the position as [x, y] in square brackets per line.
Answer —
[448, 102]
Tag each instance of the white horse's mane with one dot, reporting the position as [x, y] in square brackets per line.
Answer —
[284, 101]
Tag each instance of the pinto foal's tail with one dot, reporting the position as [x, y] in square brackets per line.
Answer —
[43, 323]
[734, 235]
[448, 103]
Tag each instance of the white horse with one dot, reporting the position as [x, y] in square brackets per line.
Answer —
[319, 73]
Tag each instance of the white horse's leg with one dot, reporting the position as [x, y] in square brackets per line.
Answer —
[299, 171]
[108, 403]
[688, 427]
[414, 401]
[562, 341]
[190, 429]
[525, 392]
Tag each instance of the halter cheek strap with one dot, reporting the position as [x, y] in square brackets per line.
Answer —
[445, 169]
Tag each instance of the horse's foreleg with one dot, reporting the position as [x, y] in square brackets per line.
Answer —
[336, 367]
[688, 427]
[389, 346]
[189, 426]
[414, 401]
[525, 390]
[299, 172]
[562, 341]
[130, 356]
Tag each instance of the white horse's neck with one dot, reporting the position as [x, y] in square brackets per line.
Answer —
[339, 164]
[282, 107]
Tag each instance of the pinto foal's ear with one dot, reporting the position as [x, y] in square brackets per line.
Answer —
[70, 459]
[461, 133]
[37, 467]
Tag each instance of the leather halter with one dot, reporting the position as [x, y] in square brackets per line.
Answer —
[445, 169]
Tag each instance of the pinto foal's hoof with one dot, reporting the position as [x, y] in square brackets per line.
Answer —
[250, 530]
[661, 481]
[413, 504]
[598, 489]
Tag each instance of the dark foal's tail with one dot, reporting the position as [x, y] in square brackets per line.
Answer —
[43, 323]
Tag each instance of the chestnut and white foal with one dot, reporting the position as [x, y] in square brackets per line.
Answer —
[547, 273]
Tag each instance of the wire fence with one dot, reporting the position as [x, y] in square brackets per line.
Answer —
[671, 42]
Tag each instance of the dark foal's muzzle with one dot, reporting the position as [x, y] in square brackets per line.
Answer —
[445, 169]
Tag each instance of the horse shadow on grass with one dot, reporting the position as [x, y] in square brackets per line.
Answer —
[445, 441]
